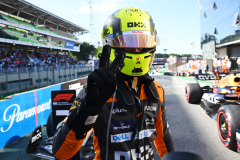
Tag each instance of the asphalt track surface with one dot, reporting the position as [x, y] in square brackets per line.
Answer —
[192, 129]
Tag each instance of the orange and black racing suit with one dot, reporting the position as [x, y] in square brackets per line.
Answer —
[137, 119]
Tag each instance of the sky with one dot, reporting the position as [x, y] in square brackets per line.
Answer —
[177, 21]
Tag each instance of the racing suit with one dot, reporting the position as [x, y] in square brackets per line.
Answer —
[137, 119]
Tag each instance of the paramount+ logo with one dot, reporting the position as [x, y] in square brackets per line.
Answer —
[136, 24]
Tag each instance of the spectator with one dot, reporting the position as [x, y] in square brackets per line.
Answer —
[204, 68]
[215, 65]
[199, 67]
[238, 62]
[229, 64]
[224, 66]
[219, 63]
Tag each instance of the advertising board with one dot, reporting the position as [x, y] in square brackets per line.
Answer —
[216, 76]
[61, 103]
[23, 113]
[69, 44]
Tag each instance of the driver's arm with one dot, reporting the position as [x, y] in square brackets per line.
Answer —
[163, 142]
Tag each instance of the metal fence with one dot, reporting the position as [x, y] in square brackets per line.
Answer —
[14, 70]
[24, 78]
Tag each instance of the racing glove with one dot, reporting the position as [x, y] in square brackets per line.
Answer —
[101, 85]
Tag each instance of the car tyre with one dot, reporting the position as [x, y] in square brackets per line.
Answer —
[228, 120]
[49, 126]
[193, 93]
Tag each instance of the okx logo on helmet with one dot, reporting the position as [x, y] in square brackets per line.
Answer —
[131, 30]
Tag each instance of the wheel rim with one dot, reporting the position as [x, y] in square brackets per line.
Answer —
[223, 127]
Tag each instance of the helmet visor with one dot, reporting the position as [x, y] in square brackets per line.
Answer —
[134, 41]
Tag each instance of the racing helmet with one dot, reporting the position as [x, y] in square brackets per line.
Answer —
[131, 30]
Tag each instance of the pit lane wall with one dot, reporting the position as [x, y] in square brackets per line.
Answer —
[24, 112]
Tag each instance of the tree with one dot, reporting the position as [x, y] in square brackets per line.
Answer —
[99, 50]
[161, 55]
[174, 54]
[186, 55]
[86, 49]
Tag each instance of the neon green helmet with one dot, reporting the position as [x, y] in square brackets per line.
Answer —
[133, 31]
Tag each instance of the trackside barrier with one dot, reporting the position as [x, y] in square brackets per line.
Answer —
[23, 113]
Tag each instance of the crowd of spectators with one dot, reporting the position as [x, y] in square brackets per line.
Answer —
[20, 58]
[56, 59]
[221, 65]
[14, 59]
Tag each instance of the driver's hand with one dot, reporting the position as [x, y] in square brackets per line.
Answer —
[101, 83]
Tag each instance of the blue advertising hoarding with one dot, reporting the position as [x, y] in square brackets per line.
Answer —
[23, 113]
[69, 44]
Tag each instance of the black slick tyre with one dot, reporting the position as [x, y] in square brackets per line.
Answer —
[49, 126]
[193, 93]
[228, 120]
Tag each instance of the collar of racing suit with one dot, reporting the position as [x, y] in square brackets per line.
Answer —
[125, 93]
[130, 98]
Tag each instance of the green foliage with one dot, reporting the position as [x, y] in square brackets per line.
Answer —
[173, 55]
[99, 50]
[71, 54]
[162, 55]
[186, 55]
[86, 49]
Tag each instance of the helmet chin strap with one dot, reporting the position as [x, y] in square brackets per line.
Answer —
[134, 82]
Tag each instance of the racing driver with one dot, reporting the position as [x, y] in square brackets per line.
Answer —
[123, 105]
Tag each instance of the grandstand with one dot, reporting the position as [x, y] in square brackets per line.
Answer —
[31, 34]
[24, 24]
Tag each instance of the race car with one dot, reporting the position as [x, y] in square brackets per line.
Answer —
[221, 102]
[42, 149]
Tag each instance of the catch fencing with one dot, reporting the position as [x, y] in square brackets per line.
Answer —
[24, 78]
